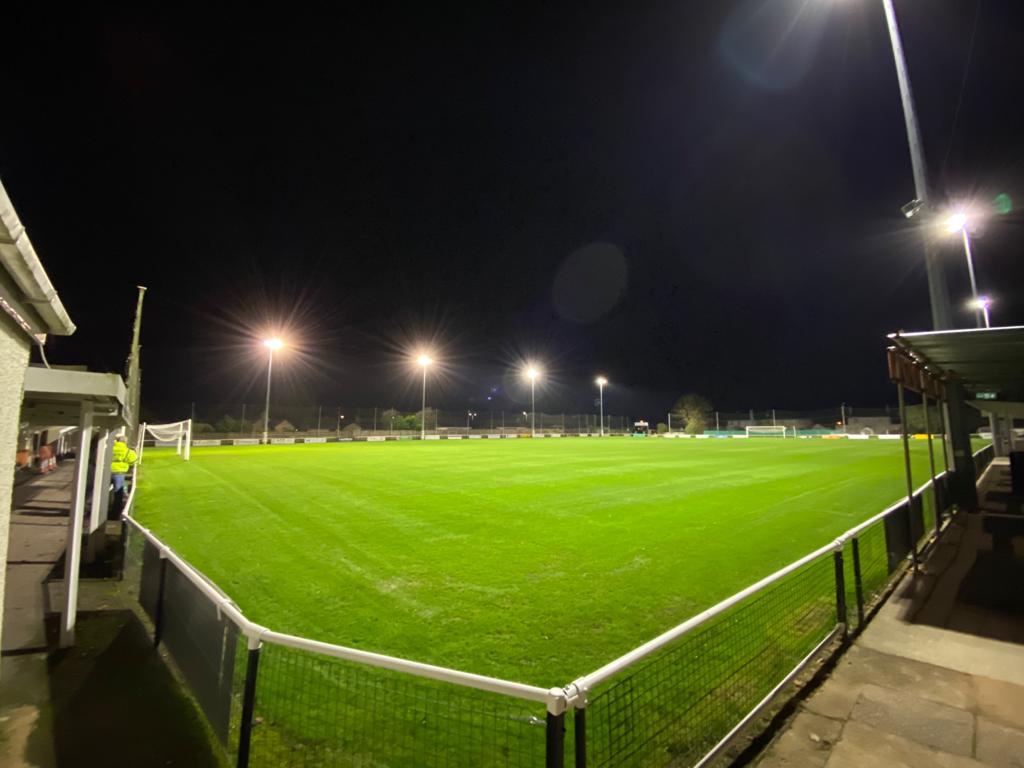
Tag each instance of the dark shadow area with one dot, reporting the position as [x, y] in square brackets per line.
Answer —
[996, 578]
[106, 564]
[41, 512]
[1014, 504]
[115, 703]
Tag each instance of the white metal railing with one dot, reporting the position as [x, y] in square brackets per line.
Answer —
[557, 700]
[587, 682]
[257, 633]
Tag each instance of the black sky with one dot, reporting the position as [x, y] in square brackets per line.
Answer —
[490, 176]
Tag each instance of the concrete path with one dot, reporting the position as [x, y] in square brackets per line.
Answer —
[937, 678]
[39, 522]
[112, 699]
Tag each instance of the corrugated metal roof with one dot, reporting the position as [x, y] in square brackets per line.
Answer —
[985, 359]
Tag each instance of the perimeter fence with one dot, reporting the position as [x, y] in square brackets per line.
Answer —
[246, 420]
[683, 698]
[236, 420]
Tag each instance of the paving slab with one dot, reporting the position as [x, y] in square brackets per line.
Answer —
[934, 725]
[806, 742]
[861, 666]
[35, 541]
[862, 746]
[967, 653]
[835, 701]
[999, 701]
[999, 746]
[24, 608]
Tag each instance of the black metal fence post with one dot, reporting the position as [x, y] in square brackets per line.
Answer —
[248, 706]
[580, 735]
[555, 744]
[158, 619]
[858, 582]
[841, 616]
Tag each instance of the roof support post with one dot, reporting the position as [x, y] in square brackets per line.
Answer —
[101, 482]
[906, 467]
[73, 551]
[962, 485]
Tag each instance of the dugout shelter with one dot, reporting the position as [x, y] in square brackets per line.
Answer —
[981, 368]
[94, 405]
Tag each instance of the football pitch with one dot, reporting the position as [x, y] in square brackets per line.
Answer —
[531, 560]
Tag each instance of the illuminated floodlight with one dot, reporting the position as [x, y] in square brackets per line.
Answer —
[983, 303]
[273, 344]
[532, 373]
[601, 381]
[424, 360]
[956, 222]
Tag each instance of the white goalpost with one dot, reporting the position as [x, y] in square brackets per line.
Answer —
[768, 431]
[176, 433]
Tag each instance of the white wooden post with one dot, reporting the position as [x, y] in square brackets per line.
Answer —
[101, 482]
[73, 551]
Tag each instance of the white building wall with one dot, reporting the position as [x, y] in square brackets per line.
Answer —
[14, 350]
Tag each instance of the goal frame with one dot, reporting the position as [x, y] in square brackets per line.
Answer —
[183, 438]
[779, 430]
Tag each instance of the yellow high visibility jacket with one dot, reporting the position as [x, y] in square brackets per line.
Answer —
[124, 457]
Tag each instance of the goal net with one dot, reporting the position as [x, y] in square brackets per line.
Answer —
[176, 433]
[778, 431]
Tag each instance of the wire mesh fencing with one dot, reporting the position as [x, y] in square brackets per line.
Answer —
[203, 643]
[316, 710]
[248, 421]
[677, 705]
[278, 701]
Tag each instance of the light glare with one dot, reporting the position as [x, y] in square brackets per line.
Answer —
[956, 222]
[532, 373]
[601, 381]
[273, 343]
[424, 360]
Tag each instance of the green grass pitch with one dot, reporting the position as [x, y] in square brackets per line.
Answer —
[531, 560]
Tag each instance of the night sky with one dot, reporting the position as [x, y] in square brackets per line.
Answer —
[683, 196]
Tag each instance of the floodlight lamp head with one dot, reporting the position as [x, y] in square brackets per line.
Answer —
[601, 381]
[982, 302]
[273, 344]
[912, 208]
[532, 373]
[424, 360]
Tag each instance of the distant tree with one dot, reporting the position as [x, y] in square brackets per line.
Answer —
[352, 430]
[388, 418]
[228, 424]
[283, 426]
[407, 422]
[392, 419]
[199, 427]
[662, 428]
[694, 411]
